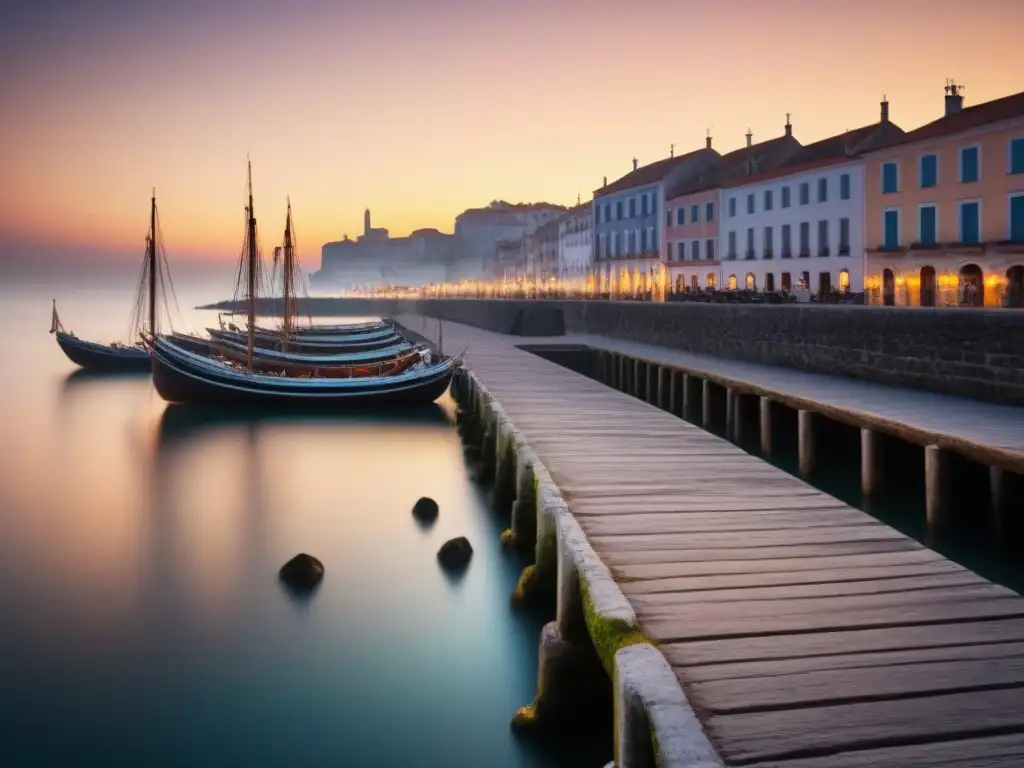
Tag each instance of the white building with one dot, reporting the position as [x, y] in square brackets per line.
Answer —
[574, 252]
[479, 230]
[802, 223]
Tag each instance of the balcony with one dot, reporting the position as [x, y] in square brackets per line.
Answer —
[731, 256]
[768, 253]
[787, 253]
[932, 246]
[805, 253]
[749, 255]
[844, 249]
[823, 253]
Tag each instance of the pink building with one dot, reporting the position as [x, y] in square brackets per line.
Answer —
[944, 209]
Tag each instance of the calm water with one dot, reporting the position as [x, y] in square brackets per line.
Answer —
[142, 620]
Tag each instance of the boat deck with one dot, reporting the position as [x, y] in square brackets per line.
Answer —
[804, 632]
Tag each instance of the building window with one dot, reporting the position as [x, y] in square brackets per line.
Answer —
[732, 245]
[643, 204]
[805, 193]
[926, 224]
[970, 222]
[890, 178]
[618, 242]
[680, 215]
[732, 282]
[823, 238]
[928, 172]
[607, 212]
[822, 190]
[750, 203]
[709, 249]
[597, 214]
[969, 166]
[750, 243]
[767, 199]
[695, 250]
[844, 186]
[844, 280]
[681, 251]
[805, 239]
[1016, 228]
[643, 241]
[632, 207]
[787, 281]
[732, 206]
[844, 237]
[891, 228]
[786, 242]
[709, 212]
[785, 197]
[768, 242]
[751, 282]
[1016, 153]
[694, 214]
[618, 210]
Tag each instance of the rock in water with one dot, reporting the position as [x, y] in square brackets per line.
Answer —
[425, 509]
[455, 553]
[302, 572]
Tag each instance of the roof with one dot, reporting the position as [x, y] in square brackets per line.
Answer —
[1006, 108]
[499, 207]
[840, 148]
[729, 166]
[548, 228]
[648, 174]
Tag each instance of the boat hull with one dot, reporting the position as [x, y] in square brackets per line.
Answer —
[313, 331]
[102, 357]
[304, 344]
[178, 381]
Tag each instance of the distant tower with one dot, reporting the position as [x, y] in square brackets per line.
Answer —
[366, 222]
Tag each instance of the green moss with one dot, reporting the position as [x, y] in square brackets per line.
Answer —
[526, 589]
[508, 539]
[608, 635]
[525, 718]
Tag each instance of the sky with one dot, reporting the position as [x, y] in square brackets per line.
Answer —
[421, 109]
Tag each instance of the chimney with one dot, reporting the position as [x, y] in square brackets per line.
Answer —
[635, 161]
[671, 150]
[750, 137]
[954, 100]
[707, 141]
[605, 182]
[885, 110]
[789, 127]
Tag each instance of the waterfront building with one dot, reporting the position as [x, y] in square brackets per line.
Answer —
[944, 208]
[545, 268]
[574, 244]
[479, 230]
[801, 223]
[627, 221]
[693, 247]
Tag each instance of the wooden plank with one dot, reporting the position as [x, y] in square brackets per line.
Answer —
[858, 640]
[786, 734]
[820, 536]
[822, 687]
[718, 521]
[986, 752]
[668, 556]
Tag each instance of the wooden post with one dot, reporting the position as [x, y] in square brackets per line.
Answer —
[652, 374]
[870, 463]
[765, 426]
[665, 376]
[706, 404]
[685, 386]
[636, 391]
[622, 373]
[730, 413]
[997, 492]
[936, 486]
[673, 391]
[805, 441]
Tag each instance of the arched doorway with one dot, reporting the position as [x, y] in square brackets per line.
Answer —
[732, 282]
[750, 283]
[888, 288]
[769, 282]
[972, 286]
[927, 286]
[1015, 286]
[710, 280]
[694, 283]
[844, 280]
[680, 283]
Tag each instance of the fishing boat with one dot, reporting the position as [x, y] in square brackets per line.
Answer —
[313, 331]
[184, 376]
[320, 344]
[113, 357]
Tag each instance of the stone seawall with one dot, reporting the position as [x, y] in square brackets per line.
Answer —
[972, 353]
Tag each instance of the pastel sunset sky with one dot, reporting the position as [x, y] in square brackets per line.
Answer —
[421, 109]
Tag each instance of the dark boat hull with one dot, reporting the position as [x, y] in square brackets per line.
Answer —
[102, 357]
[307, 346]
[178, 381]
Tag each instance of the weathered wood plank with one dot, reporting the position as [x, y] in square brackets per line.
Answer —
[661, 556]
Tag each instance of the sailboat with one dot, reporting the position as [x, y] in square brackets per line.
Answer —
[116, 356]
[181, 375]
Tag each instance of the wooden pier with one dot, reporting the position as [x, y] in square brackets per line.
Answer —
[803, 632]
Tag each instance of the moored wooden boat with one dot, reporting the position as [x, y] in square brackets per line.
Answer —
[93, 356]
[326, 345]
[344, 329]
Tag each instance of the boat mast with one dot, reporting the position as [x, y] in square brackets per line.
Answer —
[152, 265]
[252, 272]
[286, 326]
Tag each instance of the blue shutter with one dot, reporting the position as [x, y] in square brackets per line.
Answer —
[969, 223]
[709, 212]
[844, 186]
[694, 213]
[1017, 219]
[889, 178]
[785, 197]
[929, 170]
[805, 193]
[892, 229]
[1017, 156]
[969, 164]
[927, 225]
